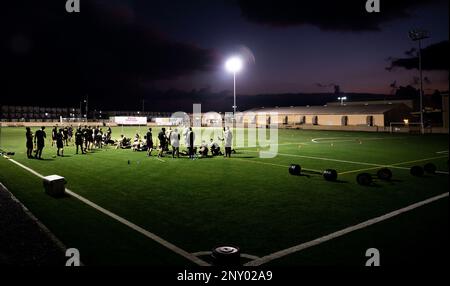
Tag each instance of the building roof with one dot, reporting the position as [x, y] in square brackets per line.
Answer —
[331, 110]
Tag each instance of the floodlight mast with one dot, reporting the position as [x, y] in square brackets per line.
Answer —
[342, 98]
[234, 65]
[418, 36]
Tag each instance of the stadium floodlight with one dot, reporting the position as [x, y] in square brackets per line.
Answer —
[234, 65]
[418, 36]
[342, 99]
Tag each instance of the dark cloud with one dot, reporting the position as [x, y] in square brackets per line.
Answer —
[434, 57]
[349, 15]
[53, 57]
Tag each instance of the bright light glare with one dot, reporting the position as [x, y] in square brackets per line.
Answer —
[233, 64]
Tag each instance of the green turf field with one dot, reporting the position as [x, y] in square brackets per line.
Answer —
[246, 201]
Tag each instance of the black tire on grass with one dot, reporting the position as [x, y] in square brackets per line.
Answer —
[330, 175]
[384, 174]
[430, 168]
[416, 171]
[226, 256]
[364, 179]
[295, 169]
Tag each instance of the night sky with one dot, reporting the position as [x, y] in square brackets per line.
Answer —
[172, 53]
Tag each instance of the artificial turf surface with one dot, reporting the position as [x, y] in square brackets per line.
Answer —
[246, 201]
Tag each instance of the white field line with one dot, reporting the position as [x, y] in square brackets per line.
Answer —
[341, 232]
[349, 139]
[315, 139]
[268, 145]
[272, 164]
[159, 159]
[341, 139]
[442, 152]
[341, 161]
[41, 226]
[244, 255]
[127, 223]
[396, 165]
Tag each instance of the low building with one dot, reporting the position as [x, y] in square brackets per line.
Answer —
[340, 115]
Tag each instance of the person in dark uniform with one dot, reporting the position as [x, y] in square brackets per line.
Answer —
[86, 138]
[29, 136]
[70, 132]
[79, 140]
[162, 141]
[65, 135]
[191, 136]
[149, 142]
[60, 142]
[39, 140]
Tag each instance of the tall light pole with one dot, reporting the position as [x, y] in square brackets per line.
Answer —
[234, 65]
[418, 36]
[342, 98]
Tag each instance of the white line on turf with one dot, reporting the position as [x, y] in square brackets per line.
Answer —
[337, 160]
[340, 139]
[349, 139]
[395, 165]
[244, 255]
[126, 222]
[442, 152]
[271, 164]
[342, 232]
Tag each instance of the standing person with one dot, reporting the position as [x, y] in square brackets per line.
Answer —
[228, 138]
[168, 134]
[54, 133]
[66, 135]
[86, 138]
[29, 137]
[149, 142]
[96, 130]
[70, 133]
[162, 141]
[60, 143]
[39, 140]
[99, 138]
[175, 142]
[79, 140]
[185, 136]
[90, 137]
[191, 143]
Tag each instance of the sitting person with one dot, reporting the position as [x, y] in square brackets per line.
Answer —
[136, 142]
[203, 149]
[124, 142]
[143, 145]
[106, 138]
[215, 148]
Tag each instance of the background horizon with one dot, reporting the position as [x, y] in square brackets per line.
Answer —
[171, 53]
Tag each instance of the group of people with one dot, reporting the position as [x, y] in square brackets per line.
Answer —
[85, 139]
[88, 137]
[169, 143]
[173, 137]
